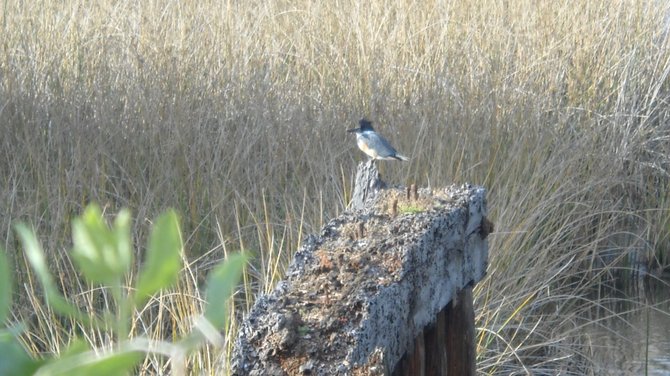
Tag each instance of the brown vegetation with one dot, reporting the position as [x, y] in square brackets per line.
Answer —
[235, 114]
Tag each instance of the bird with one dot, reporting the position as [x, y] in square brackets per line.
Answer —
[374, 145]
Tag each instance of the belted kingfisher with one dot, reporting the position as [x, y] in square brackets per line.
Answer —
[373, 144]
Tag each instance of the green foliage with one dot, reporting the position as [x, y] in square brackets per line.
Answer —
[104, 256]
[5, 287]
[80, 360]
[163, 263]
[221, 283]
[410, 209]
[35, 256]
[14, 361]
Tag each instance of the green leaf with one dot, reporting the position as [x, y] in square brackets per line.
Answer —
[5, 287]
[221, 284]
[14, 360]
[163, 260]
[124, 242]
[78, 360]
[37, 261]
[118, 363]
[102, 254]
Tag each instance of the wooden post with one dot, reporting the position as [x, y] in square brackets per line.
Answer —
[461, 334]
[417, 359]
[447, 347]
[435, 340]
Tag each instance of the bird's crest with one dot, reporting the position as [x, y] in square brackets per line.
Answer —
[366, 125]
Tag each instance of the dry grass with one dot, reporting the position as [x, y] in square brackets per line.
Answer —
[234, 113]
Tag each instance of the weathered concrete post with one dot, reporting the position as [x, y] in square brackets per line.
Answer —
[385, 289]
[367, 186]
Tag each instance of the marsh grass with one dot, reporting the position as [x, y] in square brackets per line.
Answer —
[234, 113]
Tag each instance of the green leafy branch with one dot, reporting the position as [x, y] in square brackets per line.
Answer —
[104, 255]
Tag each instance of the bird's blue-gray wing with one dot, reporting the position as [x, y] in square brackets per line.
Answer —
[377, 142]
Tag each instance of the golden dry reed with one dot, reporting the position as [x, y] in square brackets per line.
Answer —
[234, 113]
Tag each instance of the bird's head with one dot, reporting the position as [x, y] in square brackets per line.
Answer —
[365, 125]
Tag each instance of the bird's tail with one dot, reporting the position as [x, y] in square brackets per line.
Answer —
[401, 157]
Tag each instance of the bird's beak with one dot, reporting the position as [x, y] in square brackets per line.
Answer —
[353, 130]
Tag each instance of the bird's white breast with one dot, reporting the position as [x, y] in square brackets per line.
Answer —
[362, 143]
